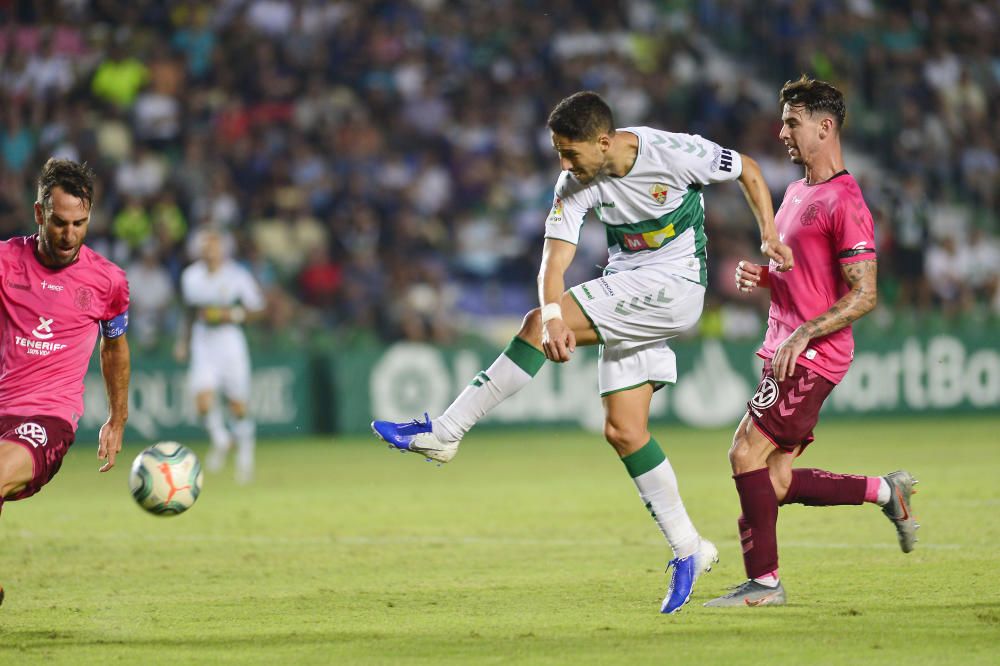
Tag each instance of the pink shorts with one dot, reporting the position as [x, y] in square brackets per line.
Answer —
[46, 439]
[786, 412]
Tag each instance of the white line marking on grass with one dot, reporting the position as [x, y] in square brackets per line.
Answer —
[445, 540]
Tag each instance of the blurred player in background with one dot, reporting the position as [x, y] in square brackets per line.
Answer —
[55, 295]
[808, 346]
[219, 296]
[645, 185]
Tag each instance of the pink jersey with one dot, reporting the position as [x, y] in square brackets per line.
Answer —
[49, 321]
[827, 225]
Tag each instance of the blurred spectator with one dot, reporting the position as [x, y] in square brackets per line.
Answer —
[151, 295]
[119, 77]
[947, 271]
[387, 163]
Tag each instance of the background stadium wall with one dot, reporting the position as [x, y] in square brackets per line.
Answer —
[301, 394]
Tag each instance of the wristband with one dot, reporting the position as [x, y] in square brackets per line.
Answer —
[551, 311]
[237, 315]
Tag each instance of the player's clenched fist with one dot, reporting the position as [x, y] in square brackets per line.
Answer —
[750, 275]
[558, 341]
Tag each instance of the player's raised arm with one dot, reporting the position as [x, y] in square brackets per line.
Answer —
[116, 367]
[853, 305]
[558, 341]
[759, 199]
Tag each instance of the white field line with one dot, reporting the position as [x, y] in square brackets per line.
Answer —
[447, 540]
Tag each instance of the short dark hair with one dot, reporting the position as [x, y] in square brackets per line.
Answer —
[74, 178]
[582, 116]
[815, 96]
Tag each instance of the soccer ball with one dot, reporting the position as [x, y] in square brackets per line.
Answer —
[165, 478]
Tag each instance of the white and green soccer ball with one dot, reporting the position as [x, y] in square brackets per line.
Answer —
[166, 478]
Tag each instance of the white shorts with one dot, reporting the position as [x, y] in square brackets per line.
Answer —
[635, 313]
[220, 369]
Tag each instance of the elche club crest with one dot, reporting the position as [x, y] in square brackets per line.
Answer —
[659, 192]
[766, 395]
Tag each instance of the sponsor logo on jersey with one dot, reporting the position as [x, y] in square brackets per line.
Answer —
[659, 192]
[83, 298]
[48, 286]
[810, 215]
[17, 277]
[606, 204]
[766, 395]
[32, 433]
[649, 240]
[557, 210]
[41, 345]
[44, 329]
[606, 287]
[722, 159]
[586, 292]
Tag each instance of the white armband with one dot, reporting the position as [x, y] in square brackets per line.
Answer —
[551, 311]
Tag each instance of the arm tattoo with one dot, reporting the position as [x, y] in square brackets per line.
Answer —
[856, 303]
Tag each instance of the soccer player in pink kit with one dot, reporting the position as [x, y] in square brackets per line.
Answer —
[808, 346]
[55, 295]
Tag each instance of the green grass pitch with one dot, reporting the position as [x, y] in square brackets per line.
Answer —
[532, 547]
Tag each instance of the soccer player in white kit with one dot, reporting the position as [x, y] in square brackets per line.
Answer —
[219, 296]
[645, 185]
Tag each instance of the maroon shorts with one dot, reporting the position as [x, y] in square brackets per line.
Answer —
[786, 412]
[46, 439]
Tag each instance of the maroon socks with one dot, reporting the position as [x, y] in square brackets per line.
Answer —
[758, 522]
[817, 487]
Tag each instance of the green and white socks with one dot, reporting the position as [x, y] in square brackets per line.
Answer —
[511, 372]
[657, 484]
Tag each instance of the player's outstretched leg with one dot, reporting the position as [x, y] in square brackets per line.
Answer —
[898, 509]
[685, 573]
[416, 436]
[751, 593]
[439, 439]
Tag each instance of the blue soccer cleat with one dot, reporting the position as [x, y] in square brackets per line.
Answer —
[686, 572]
[417, 437]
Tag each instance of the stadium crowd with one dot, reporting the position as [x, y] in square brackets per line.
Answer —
[383, 166]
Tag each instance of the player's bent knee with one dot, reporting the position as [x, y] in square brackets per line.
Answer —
[781, 479]
[531, 327]
[625, 439]
[741, 454]
[16, 468]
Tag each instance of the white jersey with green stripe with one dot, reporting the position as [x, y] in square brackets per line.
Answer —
[654, 214]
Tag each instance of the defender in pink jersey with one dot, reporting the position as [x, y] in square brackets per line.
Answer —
[808, 346]
[56, 297]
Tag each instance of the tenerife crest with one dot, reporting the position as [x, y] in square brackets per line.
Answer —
[659, 192]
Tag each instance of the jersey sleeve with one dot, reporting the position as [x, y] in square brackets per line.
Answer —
[114, 320]
[568, 210]
[700, 161]
[852, 228]
[118, 298]
[251, 296]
